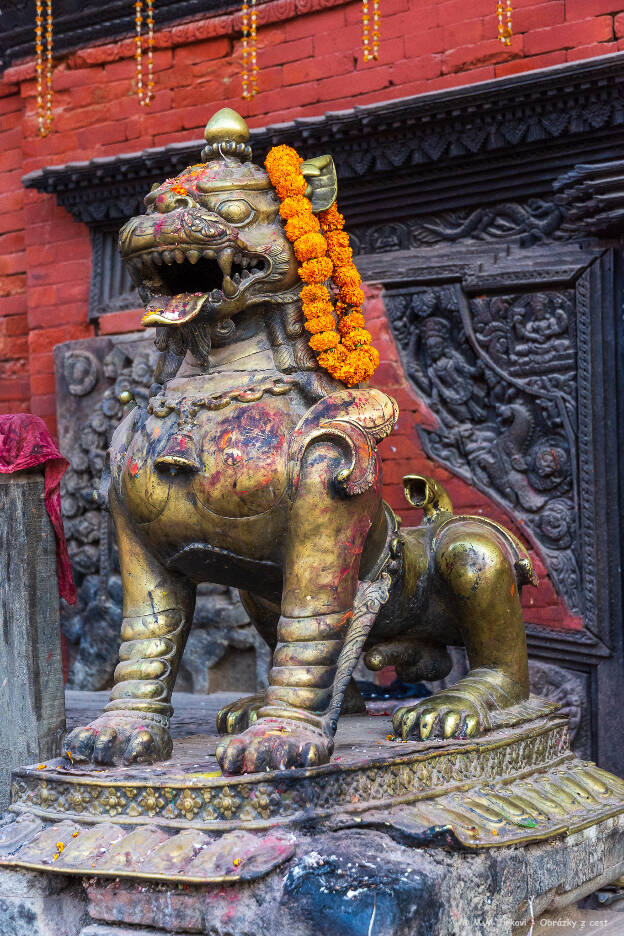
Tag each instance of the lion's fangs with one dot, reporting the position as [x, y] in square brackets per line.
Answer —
[148, 265]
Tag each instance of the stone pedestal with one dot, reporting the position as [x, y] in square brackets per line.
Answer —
[338, 883]
[456, 838]
[32, 707]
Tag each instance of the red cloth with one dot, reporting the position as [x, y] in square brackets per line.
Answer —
[25, 443]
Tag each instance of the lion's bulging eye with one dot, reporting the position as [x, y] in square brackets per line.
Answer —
[236, 211]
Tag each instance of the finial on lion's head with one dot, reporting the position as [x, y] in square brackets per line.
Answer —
[226, 134]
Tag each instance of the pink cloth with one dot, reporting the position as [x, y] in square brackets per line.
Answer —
[25, 443]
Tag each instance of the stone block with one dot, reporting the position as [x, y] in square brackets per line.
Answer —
[169, 909]
[351, 882]
[19, 883]
[548, 869]
[338, 889]
[61, 915]
[32, 705]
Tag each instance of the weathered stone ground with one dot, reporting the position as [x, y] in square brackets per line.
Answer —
[339, 883]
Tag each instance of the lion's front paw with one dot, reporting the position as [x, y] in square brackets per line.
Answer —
[235, 717]
[274, 744]
[443, 715]
[119, 738]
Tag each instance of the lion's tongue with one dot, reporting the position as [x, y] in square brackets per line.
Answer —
[173, 310]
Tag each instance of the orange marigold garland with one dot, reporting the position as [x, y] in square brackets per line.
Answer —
[338, 337]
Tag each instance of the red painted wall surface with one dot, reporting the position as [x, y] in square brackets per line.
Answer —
[310, 62]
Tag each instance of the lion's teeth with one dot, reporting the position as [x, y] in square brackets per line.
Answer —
[236, 279]
[179, 255]
[193, 255]
[208, 254]
[225, 259]
[229, 288]
[167, 256]
[244, 261]
[245, 274]
[156, 258]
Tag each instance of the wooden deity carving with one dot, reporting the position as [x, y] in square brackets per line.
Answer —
[251, 466]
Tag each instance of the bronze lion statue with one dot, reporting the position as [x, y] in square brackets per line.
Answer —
[251, 467]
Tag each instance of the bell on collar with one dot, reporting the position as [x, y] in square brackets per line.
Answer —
[180, 455]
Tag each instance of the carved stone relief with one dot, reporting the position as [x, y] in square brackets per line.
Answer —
[499, 373]
[90, 376]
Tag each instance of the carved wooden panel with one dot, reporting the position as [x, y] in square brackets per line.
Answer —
[518, 354]
[499, 372]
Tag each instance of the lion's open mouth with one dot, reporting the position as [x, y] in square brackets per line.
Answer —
[179, 281]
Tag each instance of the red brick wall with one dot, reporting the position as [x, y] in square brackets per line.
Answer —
[310, 62]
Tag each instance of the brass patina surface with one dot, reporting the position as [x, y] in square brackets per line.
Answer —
[251, 467]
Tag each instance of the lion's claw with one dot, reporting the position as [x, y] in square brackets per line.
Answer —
[119, 738]
[439, 716]
[239, 715]
[270, 744]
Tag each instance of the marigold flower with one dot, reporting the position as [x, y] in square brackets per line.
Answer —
[290, 185]
[302, 224]
[356, 338]
[336, 239]
[346, 276]
[369, 357]
[281, 159]
[350, 367]
[348, 322]
[320, 323]
[351, 295]
[324, 340]
[294, 205]
[310, 294]
[333, 359]
[316, 271]
[312, 309]
[309, 246]
[331, 219]
[341, 256]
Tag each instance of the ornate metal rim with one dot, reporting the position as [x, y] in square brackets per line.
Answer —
[290, 797]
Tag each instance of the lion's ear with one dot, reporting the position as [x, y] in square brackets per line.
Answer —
[322, 189]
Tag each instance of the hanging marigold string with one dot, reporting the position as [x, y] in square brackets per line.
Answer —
[338, 336]
[44, 102]
[145, 94]
[504, 21]
[370, 51]
[250, 50]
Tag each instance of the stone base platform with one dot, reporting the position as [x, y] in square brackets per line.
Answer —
[342, 883]
[390, 839]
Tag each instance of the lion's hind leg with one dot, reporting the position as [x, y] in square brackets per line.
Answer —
[477, 577]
